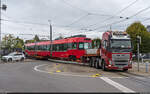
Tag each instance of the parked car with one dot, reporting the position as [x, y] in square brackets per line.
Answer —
[14, 56]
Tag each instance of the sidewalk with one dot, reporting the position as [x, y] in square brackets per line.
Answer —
[142, 69]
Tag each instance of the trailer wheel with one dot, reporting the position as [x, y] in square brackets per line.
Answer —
[93, 62]
[90, 63]
[103, 66]
[97, 64]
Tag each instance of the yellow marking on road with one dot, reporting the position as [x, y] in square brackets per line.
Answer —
[58, 71]
[96, 75]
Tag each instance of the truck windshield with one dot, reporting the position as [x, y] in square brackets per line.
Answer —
[84, 45]
[120, 43]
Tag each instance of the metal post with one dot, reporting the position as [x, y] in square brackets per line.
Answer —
[146, 65]
[138, 56]
[0, 33]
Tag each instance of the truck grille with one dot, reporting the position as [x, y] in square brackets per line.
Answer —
[120, 59]
[121, 63]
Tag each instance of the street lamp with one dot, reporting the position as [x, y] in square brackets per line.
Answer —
[3, 7]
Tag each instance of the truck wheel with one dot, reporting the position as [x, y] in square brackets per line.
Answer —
[125, 69]
[103, 66]
[97, 64]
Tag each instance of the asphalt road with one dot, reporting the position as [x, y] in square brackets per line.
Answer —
[32, 77]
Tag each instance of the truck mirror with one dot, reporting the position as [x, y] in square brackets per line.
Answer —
[133, 55]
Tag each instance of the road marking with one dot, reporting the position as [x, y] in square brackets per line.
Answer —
[96, 75]
[106, 79]
[117, 85]
[66, 74]
[58, 71]
[36, 68]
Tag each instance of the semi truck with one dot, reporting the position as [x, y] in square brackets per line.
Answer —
[114, 52]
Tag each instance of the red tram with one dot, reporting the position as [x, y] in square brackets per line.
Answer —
[71, 48]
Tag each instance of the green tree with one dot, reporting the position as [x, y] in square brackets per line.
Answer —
[36, 38]
[138, 29]
[19, 43]
[96, 43]
[10, 42]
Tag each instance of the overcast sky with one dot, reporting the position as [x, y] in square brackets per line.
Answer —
[25, 18]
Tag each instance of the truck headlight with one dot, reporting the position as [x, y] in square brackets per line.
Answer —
[110, 62]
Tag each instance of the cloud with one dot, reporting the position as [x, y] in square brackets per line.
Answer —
[64, 12]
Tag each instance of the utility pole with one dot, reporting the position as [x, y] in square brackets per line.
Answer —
[3, 7]
[0, 34]
[51, 45]
[110, 27]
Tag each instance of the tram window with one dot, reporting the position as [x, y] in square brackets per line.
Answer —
[44, 47]
[74, 45]
[86, 45]
[57, 47]
[65, 47]
[40, 47]
[48, 47]
[27, 47]
[31, 47]
[81, 45]
[69, 45]
[54, 47]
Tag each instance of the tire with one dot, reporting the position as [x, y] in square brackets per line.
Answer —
[9, 60]
[90, 63]
[22, 59]
[93, 63]
[103, 66]
[125, 70]
[97, 64]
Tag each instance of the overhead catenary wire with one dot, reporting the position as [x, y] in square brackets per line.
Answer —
[85, 11]
[119, 12]
[116, 22]
[15, 21]
[77, 20]
[40, 35]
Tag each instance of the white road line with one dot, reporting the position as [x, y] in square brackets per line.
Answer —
[66, 74]
[36, 68]
[117, 85]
